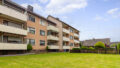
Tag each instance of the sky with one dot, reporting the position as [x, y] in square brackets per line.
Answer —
[94, 18]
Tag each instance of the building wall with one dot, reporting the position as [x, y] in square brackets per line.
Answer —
[59, 25]
[37, 36]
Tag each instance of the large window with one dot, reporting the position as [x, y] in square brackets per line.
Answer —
[71, 44]
[71, 30]
[71, 37]
[42, 33]
[42, 22]
[42, 42]
[31, 41]
[31, 30]
[31, 18]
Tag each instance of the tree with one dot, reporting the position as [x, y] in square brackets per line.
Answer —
[118, 47]
[29, 47]
[113, 45]
[99, 45]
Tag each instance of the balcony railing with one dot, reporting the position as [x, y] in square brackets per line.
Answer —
[66, 39]
[53, 28]
[76, 41]
[76, 35]
[53, 47]
[12, 46]
[10, 29]
[8, 12]
[66, 47]
[51, 37]
[66, 31]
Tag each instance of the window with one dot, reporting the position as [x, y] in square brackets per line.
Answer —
[31, 41]
[42, 22]
[42, 33]
[31, 18]
[71, 44]
[71, 30]
[71, 37]
[42, 42]
[31, 30]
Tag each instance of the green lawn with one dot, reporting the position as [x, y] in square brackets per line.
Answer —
[61, 60]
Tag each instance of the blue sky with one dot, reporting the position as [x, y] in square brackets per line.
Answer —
[94, 18]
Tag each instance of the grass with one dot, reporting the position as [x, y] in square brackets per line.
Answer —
[61, 60]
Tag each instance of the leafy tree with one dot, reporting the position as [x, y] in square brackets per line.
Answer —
[91, 48]
[99, 45]
[29, 47]
[118, 47]
[113, 45]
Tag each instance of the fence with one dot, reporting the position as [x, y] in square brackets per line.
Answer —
[101, 51]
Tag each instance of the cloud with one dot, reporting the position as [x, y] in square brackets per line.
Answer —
[64, 6]
[100, 18]
[112, 11]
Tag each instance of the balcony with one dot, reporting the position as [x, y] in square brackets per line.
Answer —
[53, 47]
[11, 46]
[76, 35]
[53, 28]
[66, 47]
[13, 30]
[51, 37]
[76, 41]
[66, 31]
[66, 39]
[13, 14]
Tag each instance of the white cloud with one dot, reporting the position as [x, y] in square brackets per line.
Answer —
[100, 18]
[24, 5]
[64, 6]
[112, 11]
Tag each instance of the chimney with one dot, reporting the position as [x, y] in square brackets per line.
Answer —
[30, 8]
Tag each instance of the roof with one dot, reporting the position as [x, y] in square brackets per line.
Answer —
[63, 22]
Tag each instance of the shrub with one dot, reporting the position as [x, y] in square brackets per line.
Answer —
[113, 45]
[84, 48]
[99, 45]
[75, 48]
[29, 47]
[47, 48]
[91, 48]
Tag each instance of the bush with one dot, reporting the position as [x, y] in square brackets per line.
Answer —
[47, 48]
[91, 48]
[75, 48]
[84, 48]
[113, 45]
[99, 45]
[29, 47]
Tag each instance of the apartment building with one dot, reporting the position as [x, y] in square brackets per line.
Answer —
[21, 26]
[68, 35]
[13, 28]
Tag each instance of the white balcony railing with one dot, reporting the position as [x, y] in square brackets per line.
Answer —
[66, 31]
[53, 47]
[53, 28]
[11, 46]
[10, 29]
[51, 37]
[66, 47]
[76, 41]
[66, 39]
[12, 13]
[76, 35]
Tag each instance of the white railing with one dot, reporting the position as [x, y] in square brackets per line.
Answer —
[77, 35]
[12, 13]
[76, 41]
[10, 29]
[66, 31]
[11, 46]
[53, 47]
[66, 39]
[51, 37]
[50, 27]
[66, 47]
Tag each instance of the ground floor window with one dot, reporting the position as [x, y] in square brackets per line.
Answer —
[31, 41]
[42, 42]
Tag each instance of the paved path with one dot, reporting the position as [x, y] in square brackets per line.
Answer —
[17, 54]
